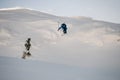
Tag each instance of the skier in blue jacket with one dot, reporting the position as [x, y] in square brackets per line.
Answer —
[63, 27]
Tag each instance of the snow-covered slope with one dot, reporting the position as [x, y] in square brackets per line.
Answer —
[19, 69]
[89, 44]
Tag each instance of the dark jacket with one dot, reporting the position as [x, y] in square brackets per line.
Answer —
[63, 27]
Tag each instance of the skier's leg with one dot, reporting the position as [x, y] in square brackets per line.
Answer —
[28, 53]
[24, 55]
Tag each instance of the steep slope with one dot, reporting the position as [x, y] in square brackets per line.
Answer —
[89, 43]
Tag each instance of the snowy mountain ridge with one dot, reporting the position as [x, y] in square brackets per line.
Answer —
[14, 8]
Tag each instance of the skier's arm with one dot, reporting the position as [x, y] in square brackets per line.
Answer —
[59, 28]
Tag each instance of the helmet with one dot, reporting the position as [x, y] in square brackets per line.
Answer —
[29, 39]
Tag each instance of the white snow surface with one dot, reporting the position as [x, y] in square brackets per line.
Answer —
[90, 50]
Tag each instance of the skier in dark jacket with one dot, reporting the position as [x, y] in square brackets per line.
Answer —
[27, 44]
[64, 28]
[27, 47]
